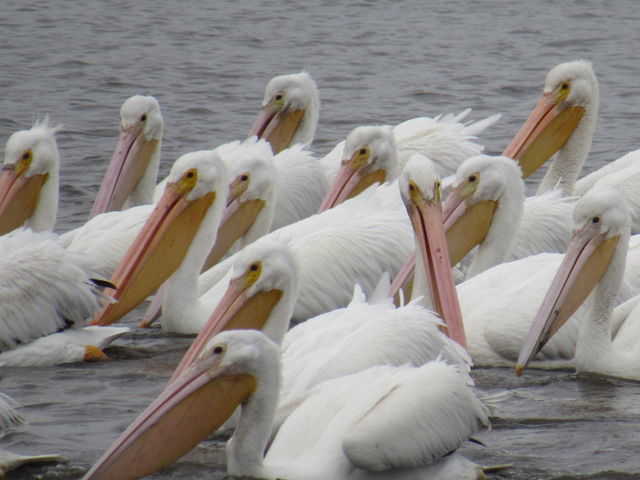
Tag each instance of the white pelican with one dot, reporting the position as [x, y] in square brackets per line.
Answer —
[29, 181]
[390, 422]
[288, 121]
[445, 139]
[594, 262]
[566, 116]
[498, 306]
[194, 196]
[46, 289]
[131, 176]
[563, 123]
[289, 113]
[370, 156]
[505, 225]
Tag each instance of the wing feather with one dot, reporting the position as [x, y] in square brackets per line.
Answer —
[43, 287]
[424, 414]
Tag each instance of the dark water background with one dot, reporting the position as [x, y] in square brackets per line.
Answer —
[375, 63]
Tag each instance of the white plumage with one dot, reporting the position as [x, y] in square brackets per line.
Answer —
[285, 95]
[389, 422]
[580, 86]
[43, 288]
[520, 226]
[302, 187]
[625, 179]
[70, 346]
[365, 333]
[445, 139]
[46, 289]
[355, 242]
[601, 221]
[498, 306]
[131, 175]
[32, 157]
[106, 237]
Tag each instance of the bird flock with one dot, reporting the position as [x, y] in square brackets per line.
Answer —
[339, 303]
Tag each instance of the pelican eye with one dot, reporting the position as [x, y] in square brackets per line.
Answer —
[279, 97]
[143, 117]
[564, 85]
[595, 219]
[190, 174]
[26, 155]
[252, 274]
[411, 188]
[363, 151]
[472, 178]
[218, 349]
[244, 178]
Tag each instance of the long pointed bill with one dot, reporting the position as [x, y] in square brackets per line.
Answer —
[18, 198]
[586, 260]
[403, 282]
[185, 413]
[277, 127]
[236, 311]
[547, 129]
[427, 223]
[156, 253]
[127, 167]
[350, 182]
[466, 226]
[236, 221]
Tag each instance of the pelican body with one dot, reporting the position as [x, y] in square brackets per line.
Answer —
[341, 430]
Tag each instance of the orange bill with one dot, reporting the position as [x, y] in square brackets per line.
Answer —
[157, 251]
[185, 413]
[127, 167]
[19, 196]
[547, 130]
[588, 256]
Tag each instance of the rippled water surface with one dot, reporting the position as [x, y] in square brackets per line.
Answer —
[374, 62]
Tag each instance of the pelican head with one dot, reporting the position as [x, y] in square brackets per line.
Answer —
[135, 162]
[228, 371]
[190, 207]
[251, 199]
[487, 191]
[601, 219]
[369, 157]
[29, 181]
[420, 190]
[289, 113]
[570, 91]
[261, 295]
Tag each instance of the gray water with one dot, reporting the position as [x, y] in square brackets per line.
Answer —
[375, 63]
